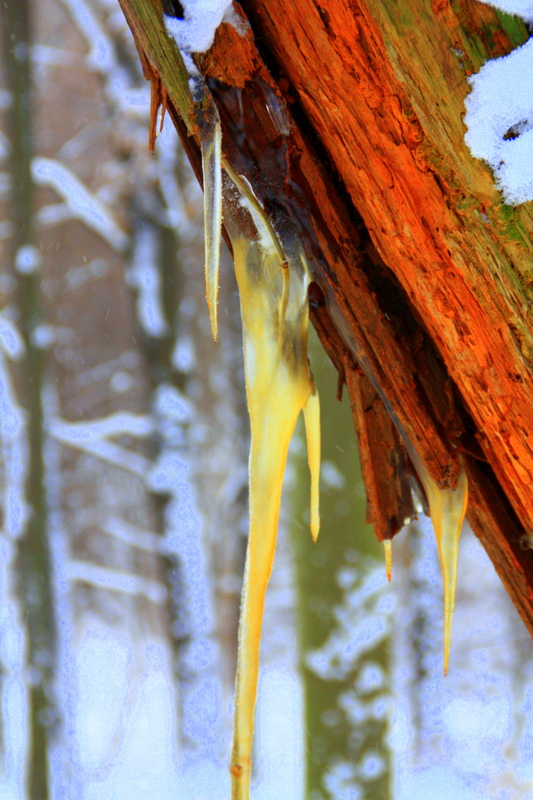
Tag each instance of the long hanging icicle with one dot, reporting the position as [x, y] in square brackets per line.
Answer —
[212, 177]
[279, 385]
[447, 508]
[312, 434]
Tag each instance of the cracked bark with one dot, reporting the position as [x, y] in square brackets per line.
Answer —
[423, 275]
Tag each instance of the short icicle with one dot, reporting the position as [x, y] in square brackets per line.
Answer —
[211, 147]
[387, 547]
[278, 386]
[447, 508]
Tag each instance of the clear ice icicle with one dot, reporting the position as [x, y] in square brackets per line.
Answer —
[211, 147]
[279, 385]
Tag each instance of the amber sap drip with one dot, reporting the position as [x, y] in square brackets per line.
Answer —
[447, 508]
[278, 386]
[387, 547]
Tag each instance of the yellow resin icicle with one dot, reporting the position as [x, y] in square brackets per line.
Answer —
[447, 508]
[278, 386]
[312, 432]
[212, 177]
[387, 547]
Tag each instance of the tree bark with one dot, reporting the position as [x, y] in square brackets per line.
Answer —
[422, 272]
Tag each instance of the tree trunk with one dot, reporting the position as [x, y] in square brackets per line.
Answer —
[422, 272]
[33, 556]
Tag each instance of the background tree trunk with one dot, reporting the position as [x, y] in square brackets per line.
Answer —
[32, 563]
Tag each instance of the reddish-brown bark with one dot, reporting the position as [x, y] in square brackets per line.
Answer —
[424, 275]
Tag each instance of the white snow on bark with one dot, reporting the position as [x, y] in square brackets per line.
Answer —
[196, 32]
[499, 114]
[521, 8]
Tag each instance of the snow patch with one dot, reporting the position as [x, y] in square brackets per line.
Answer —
[522, 8]
[499, 115]
[196, 32]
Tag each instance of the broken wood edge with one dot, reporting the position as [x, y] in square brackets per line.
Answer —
[490, 514]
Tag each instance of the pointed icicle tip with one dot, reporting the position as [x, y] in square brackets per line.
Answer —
[387, 547]
[211, 146]
[447, 508]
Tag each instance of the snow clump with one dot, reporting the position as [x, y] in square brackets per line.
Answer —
[499, 114]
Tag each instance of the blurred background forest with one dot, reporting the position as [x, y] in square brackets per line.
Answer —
[123, 498]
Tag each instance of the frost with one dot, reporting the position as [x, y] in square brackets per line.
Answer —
[499, 117]
[196, 32]
[79, 201]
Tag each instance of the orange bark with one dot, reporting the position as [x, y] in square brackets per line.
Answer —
[424, 275]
